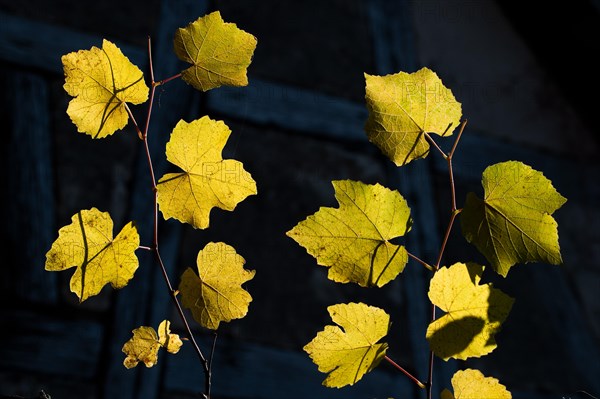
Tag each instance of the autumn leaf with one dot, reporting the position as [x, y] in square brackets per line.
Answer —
[512, 224]
[207, 180]
[215, 294]
[87, 244]
[472, 384]
[474, 312]
[353, 241]
[351, 350]
[403, 107]
[102, 81]
[219, 52]
[145, 343]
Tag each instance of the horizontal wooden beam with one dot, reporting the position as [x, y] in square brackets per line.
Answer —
[29, 43]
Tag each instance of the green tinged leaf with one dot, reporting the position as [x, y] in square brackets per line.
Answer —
[512, 224]
[353, 240]
[474, 312]
[88, 244]
[472, 384]
[215, 294]
[101, 82]
[145, 343]
[349, 352]
[219, 52]
[404, 106]
[207, 180]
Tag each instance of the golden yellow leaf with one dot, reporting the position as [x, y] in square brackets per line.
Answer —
[349, 352]
[474, 312]
[219, 52]
[101, 82]
[207, 179]
[403, 107]
[353, 240]
[215, 294]
[145, 343]
[87, 244]
[472, 384]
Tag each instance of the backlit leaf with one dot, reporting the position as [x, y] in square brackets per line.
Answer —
[101, 82]
[404, 106]
[88, 244]
[472, 384]
[219, 52]
[145, 343]
[351, 350]
[207, 179]
[512, 224]
[474, 312]
[353, 240]
[215, 294]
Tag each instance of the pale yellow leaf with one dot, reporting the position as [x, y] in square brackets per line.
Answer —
[88, 244]
[351, 350]
[207, 180]
[403, 107]
[472, 384]
[474, 312]
[215, 294]
[101, 82]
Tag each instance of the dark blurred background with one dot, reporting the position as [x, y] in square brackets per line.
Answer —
[528, 83]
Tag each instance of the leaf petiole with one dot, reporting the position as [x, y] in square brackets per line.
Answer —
[409, 375]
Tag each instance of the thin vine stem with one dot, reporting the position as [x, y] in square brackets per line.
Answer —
[206, 365]
[454, 212]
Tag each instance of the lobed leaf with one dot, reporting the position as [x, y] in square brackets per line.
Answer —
[215, 294]
[87, 244]
[351, 350]
[472, 384]
[474, 312]
[207, 180]
[512, 224]
[102, 81]
[219, 52]
[403, 107]
[353, 241]
[145, 343]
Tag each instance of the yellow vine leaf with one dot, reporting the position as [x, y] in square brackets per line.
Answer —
[512, 224]
[474, 312]
[353, 241]
[207, 180]
[351, 350]
[403, 107]
[88, 244]
[472, 384]
[101, 80]
[145, 343]
[215, 294]
[219, 52]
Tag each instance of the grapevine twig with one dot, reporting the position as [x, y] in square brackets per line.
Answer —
[453, 213]
[172, 293]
